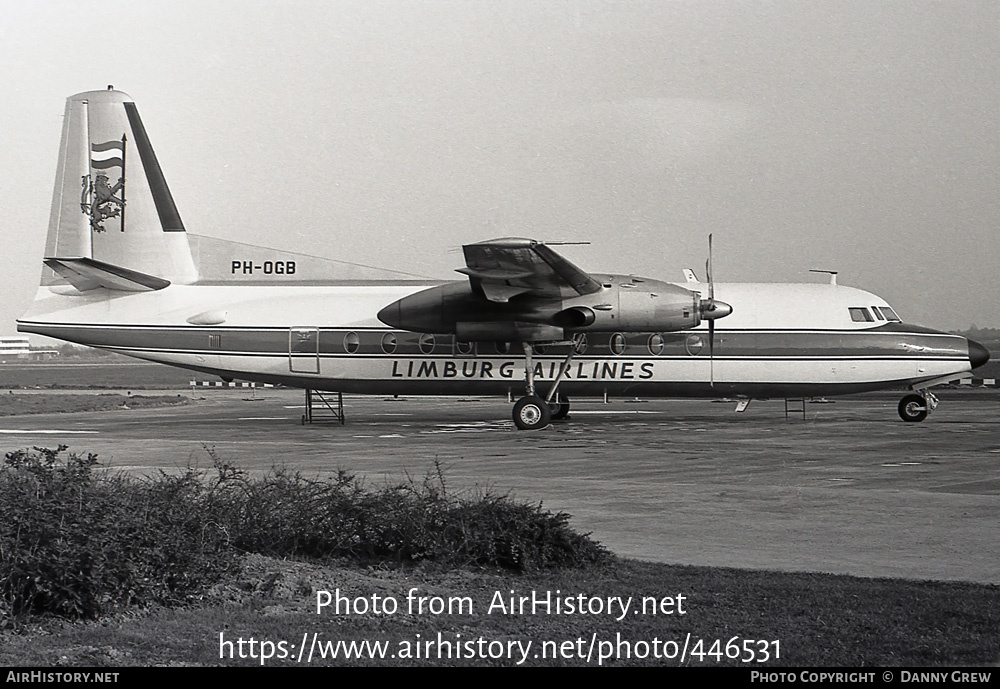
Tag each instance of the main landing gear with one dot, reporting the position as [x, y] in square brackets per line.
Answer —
[915, 408]
[532, 412]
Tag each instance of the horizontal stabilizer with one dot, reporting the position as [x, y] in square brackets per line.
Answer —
[86, 274]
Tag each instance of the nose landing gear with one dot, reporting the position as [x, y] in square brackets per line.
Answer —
[915, 408]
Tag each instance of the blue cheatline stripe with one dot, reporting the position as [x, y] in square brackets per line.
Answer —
[275, 341]
[595, 338]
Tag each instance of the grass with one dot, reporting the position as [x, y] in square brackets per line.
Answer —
[118, 372]
[16, 403]
[819, 620]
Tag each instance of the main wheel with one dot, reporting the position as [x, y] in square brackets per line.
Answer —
[913, 408]
[559, 410]
[531, 413]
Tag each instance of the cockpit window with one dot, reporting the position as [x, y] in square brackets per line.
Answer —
[878, 314]
[859, 314]
[890, 314]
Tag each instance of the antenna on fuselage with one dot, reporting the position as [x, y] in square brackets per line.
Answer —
[831, 273]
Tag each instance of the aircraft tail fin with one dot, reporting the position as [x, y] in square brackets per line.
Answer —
[113, 222]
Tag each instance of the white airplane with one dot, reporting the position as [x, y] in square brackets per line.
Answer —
[122, 274]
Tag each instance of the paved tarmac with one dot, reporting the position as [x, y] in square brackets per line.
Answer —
[850, 490]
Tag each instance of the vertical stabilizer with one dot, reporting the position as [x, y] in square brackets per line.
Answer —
[111, 202]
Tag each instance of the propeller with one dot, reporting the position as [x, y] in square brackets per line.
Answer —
[710, 311]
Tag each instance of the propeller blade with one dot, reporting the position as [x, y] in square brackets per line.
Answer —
[711, 322]
[711, 353]
[708, 269]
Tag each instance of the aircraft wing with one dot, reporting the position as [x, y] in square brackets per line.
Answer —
[500, 269]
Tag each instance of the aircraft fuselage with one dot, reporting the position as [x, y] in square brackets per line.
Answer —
[781, 340]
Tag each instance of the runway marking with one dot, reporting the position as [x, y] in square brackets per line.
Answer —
[475, 427]
[391, 435]
[609, 411]
[15, 431]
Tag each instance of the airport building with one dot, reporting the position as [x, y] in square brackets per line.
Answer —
[19, 348]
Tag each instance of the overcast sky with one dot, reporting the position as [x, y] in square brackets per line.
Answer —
[852, 136]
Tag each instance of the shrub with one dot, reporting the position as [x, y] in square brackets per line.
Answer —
[287, 515]
[79, 543]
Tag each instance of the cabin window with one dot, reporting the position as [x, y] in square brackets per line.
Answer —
[389, 343]
[464, 348]
[215, 341]
[694, 344]
[878, 314]
[890, 314]
[581, 345]
[351, 343]
[426, 343]
[656, 344]
[617, 343]
[859, 314]
[502, 347]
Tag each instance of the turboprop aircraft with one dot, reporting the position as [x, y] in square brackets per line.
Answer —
[123, 274]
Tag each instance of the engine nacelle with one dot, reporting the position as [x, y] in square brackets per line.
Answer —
[657, 306]
[624, 304]
[439, 309]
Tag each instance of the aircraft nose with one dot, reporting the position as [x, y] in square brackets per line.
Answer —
[978, 354]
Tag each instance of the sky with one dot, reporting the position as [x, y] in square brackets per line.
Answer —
[853, 136]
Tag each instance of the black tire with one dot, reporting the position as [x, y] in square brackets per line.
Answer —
[531, 413]
[559, 410]
[913, 408]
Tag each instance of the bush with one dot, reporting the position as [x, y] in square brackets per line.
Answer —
[287, 515]
[80, 543]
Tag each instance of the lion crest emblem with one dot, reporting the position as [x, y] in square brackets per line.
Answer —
[100, 199]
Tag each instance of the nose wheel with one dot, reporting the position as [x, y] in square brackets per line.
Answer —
[915, 408]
